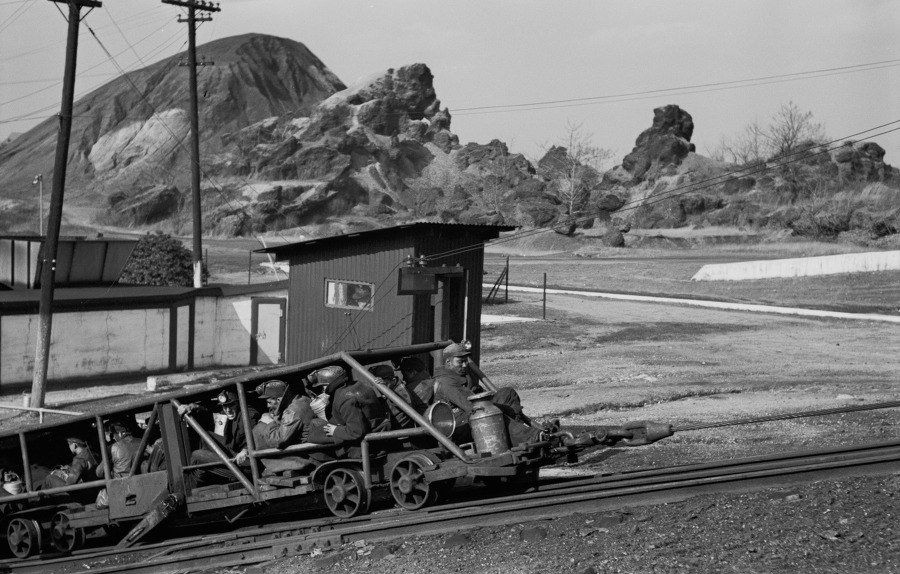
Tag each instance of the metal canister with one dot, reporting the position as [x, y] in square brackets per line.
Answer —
[488, 427]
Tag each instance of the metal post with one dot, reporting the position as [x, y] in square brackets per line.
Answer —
[26, 464]
[506, 299]
[104, 451]
[248, 433]
[145, 440]
[412, 413]
[249, 264]
[486, 382]
[544, 316]
[214, 446]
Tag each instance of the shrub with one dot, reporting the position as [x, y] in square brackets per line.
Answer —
[160, 259]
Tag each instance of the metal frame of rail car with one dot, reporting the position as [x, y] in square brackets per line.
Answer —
[415, 477]
[33, 520]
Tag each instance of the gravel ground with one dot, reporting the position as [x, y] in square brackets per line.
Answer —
[841, 527]
[603, 362]
[613, 362]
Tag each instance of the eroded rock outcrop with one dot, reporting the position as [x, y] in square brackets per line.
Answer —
[861, 161]
[659, 149]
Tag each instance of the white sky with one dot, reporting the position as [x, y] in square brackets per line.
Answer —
[502, 53]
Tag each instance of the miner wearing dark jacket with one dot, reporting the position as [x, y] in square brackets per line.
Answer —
[122, 453]
[355, 410]
[234, 441]
[83, 462]
[453, 385]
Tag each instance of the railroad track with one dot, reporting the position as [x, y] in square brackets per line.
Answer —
[545, 499]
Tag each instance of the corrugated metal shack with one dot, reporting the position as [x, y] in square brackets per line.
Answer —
[345, 291]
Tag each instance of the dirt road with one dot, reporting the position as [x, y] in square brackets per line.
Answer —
[608, 362]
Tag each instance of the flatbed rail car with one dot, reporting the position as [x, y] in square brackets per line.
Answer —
[416, 464]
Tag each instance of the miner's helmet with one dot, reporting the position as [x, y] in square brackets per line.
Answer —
[273, 389]
[327, 375]
[117, 428]
[461, 349]
[226, 399]
[76, 441]
[383, 372]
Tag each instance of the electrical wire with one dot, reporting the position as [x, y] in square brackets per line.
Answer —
[17, 13]
[801, 156]
[178, 142]
[682, 90]
[784, 417]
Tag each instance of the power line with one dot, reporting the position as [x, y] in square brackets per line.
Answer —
[17, 13]
[696, 88]
[799, 156]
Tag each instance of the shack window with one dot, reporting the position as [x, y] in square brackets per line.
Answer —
[348, 294]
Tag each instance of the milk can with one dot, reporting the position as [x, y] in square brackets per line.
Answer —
[488, 426]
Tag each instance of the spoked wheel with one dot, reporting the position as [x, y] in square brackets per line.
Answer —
[345, 493]
[63, 536]
[408, 485]
[23, 536]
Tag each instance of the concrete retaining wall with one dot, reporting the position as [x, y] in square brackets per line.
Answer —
[801, 266]
[101, 343]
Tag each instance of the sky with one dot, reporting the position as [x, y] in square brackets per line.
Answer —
[522, 71]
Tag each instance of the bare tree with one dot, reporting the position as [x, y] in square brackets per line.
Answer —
[494, 187]
[574, 168]
[749, 146]
[788, 128]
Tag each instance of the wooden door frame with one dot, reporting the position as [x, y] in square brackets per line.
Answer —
[255, 302]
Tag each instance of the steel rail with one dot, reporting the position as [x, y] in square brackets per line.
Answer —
[587, 495]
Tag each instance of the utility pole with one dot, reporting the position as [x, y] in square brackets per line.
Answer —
[54, 219]
[192, 19]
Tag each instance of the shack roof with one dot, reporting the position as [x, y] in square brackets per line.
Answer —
[486, 232]
[127, 296]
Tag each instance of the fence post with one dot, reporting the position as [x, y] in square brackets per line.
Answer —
[506, 300]
[545, 296]
[249, 263]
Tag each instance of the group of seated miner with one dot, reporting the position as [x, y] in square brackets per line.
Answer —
[328, 408]
[85, 466]
[333, 409]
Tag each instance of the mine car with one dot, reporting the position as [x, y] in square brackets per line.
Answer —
[416, 465]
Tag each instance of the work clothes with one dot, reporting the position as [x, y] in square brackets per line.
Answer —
[290, 427]
[232, 441]
[234, 434]
[122, 455]
[83, 462]
[455, 389]
[355, 411]
[358, 411]
[420, 389]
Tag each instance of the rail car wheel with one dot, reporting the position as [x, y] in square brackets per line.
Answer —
[345, 493]
[408, 485]
[23, 536]
[63, 536]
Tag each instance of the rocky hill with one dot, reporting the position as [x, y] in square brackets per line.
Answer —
[285, 145]
[131, 134]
